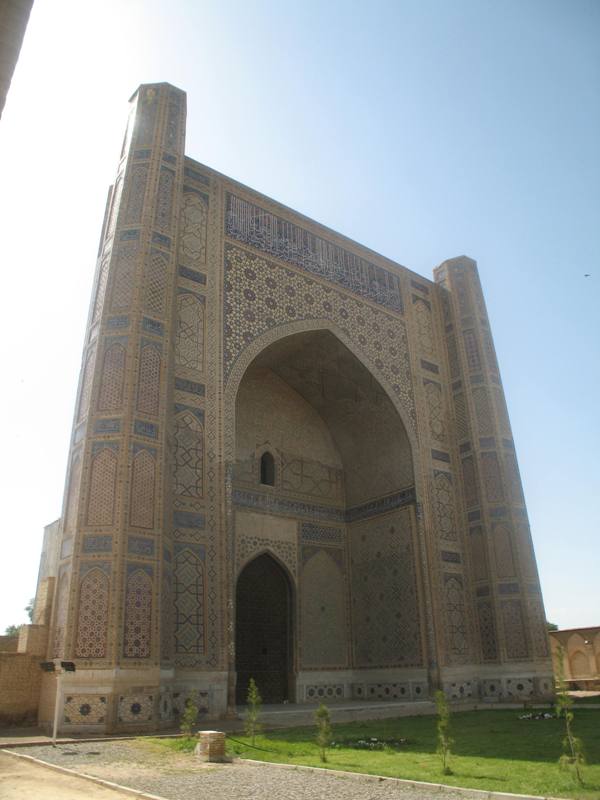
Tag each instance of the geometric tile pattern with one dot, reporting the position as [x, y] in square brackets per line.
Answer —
[125, 268]
[137, 189]
[136, 707]
[193, 219]
[261, 295]
[472, 350]
[149, 380]
[424, 326]
[113, 374]
[514, 629]
[470, 482]
[164, 199]
[456, 630]
[141, 511]
[138, 615]
[491, 477]
[189, 341]
[483, 411]
[93, 615]
[155, 288]
[189, 603]
[487, 630]
[385, 611]
[188, 464]
[433, 396]
[84, 709]
[444, 505]
[505, 564]
[101, 500]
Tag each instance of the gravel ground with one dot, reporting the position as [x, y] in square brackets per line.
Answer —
[177, 776]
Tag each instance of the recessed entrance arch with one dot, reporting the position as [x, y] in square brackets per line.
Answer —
[263, 630]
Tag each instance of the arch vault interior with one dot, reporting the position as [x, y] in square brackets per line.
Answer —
[339, 515]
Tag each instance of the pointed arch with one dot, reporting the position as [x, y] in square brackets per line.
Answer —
[267, 469]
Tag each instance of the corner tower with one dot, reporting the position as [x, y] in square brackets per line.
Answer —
[107, 605]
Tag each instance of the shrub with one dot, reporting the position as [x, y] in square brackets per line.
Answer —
[572, 757]
[323, 737]
[252, 724]
[190, 714]
[443, 731]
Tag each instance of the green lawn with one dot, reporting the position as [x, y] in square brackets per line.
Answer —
[492, 750]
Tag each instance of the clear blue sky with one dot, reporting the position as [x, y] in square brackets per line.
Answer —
[422, 129]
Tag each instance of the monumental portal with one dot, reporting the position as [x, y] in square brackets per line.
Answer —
[291, 459]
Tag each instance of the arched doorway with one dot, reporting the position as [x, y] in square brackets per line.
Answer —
[263, 631]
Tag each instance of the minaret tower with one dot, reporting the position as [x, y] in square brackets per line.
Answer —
[107, 606]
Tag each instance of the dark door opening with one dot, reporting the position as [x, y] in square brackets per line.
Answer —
[263, 630]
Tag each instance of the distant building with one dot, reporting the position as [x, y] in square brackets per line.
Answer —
[581, 656]
[291, 460]
[14, 15]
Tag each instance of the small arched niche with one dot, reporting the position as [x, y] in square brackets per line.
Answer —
[267, 469]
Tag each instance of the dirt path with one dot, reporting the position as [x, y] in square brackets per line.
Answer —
[24, 780]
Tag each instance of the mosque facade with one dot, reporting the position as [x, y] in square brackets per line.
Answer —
[291, 460]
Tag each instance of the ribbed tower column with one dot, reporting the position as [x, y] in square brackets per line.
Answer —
[508, 600]
[107, 604]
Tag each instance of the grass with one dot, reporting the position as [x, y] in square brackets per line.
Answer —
[493, 750]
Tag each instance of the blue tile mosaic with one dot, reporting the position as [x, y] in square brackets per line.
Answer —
[143, 428]
[188, 519]
[153, 326]
[140, 546]
[451, 557]
[427, 365]
[107, 426]
[192, 275]
[184, 385]
[128, 235]
[97, 543]
[159, 238]
[196, 176]
[117, 322]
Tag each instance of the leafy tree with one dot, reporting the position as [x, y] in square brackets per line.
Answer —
[29, 609]
[572, 757]
[252, 724]
[551, 626]
[323, 737]
[190, 714]
[443, 731]
[12, 630]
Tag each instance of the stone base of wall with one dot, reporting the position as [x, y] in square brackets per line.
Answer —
[525, 682]
[95, 702]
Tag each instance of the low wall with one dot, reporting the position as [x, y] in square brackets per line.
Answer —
[20, 681]
[8, 644]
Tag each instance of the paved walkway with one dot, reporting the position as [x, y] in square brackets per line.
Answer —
[22, 780]
[176, 776]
